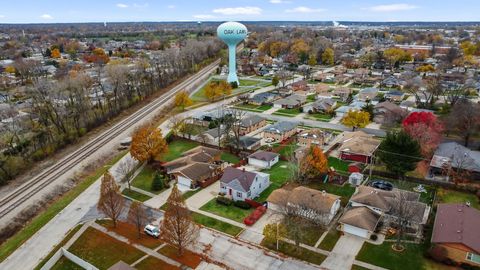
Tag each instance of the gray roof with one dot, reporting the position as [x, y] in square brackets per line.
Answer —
[369, 90]
[264, 155]
[263, 97]
[252, 120]
[281, 127]
[292, 100]
[215, 132]
[238, 179]
[324, 104]
[457, 155]
[247, 141]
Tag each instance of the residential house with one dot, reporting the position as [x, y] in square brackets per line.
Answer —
[359, 221]
[356, 146]
[299, 86]
[240, 184]
[196, 174]
[367, 94]
[354, 106]
[252, 123]
[250, 143]
[388, 113]
[457, 229]
[391, 82]
[324, 77]
[200, 154]
[290, 102]
[213, 136]
[322, 89]
[451, 155]
[324, 105]
[280, 131]
[382, 203]
[263, 159]
[394, 95]
[314, 136]
[263, 98]
[318, 206]
[342, 92]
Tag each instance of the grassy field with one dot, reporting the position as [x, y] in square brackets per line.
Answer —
[65, 264]
[228, 157]
[57, 247]
[286, 150]
[144, 180]
[245, 86]
[330, 240]
[254, 108]
[231, 212]
[102, 250]
[338, 164]
[297, 252]
[295, 111]
[132, 194]
[320, 116]
[216, 224]
[43, 218]
[176, 149]
[151, 262]
[279, 174]
[311, 98]
[309, 234]
[451, 196]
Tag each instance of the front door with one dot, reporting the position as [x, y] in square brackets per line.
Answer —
[230, 191]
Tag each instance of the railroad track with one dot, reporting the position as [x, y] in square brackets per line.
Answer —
[36, 184]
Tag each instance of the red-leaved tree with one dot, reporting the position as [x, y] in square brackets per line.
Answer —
[426, 129]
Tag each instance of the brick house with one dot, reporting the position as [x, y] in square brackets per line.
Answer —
[311, 137]
[252, 123]
[280, 131]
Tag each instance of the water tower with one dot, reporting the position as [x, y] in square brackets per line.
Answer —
[232, 33]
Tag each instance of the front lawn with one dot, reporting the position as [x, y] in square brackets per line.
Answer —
[65, 264]
[384, 256]
[151, 262]
[338, 164]
[176, 149]
[228, 157]
[279, 175]
[452, 196]
[296, 252]
[231, 212]
[102, 250]
[320, 116]
[309, 235]
[294, 111]
[132, 194]
[129, 231]
[188, 258]
[144, 179]
[330, 240]
[311, 98]
[216, 224]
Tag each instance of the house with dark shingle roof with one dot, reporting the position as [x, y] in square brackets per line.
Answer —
[263, 159]
[457, 229]
[196, 174]
[280, 131]
[456, 156]
[360, 221]
[252, 123]
[240, 184]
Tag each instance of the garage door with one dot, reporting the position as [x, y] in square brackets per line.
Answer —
[185, 182]
[355, 231]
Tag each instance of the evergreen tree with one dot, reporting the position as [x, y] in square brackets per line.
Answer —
[399, 152]
[158, 182]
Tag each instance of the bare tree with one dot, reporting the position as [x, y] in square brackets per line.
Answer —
[111, 202]
[127, 170]
[176, 124]
[403, 211]
[177, 227]
[137, 215]
[233, 127]
[465, 119]
[283, 76]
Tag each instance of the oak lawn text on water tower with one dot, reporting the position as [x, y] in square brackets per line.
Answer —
[232, 33]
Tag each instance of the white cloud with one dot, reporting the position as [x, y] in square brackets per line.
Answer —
[304, 10]
[46, 17]
[203, 16]
[392, 7]
[120, 5]
[279, 1]
[171, 6]
[239, 11]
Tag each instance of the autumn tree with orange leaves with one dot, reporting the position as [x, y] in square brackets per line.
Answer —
[217, 89]
[55, 53]
[177, 227]
[111, 202]
[147, 143]
[315, 163]
[182, 100]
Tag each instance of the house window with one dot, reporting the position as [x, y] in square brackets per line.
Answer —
[239, 194]
[473, 257]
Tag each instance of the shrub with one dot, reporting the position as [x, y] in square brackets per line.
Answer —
[224, 200]
[478, 194]
[373, 237]
[234, 85]
[242, 204]
[158, 182]
[438, 253]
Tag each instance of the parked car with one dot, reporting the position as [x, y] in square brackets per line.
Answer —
[152, 230]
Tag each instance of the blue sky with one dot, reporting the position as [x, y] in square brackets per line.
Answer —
[50, 11]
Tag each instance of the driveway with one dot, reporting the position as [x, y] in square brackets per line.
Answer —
[344, 253]
[254, 233]
[203, 196]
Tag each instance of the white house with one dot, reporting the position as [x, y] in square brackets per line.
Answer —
[240, 184]
[319, 206]
[263, 159]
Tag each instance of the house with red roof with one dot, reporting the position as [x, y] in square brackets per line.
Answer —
[457, 229]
